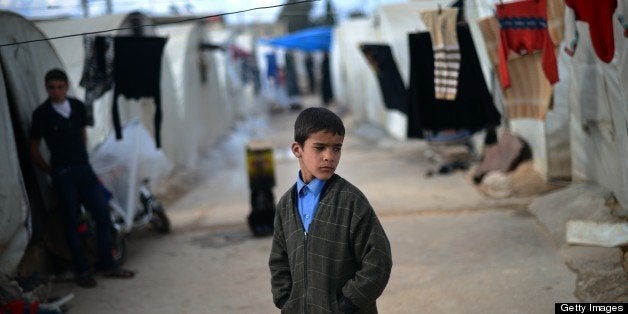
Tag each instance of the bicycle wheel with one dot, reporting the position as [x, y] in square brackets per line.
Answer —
[159, 220]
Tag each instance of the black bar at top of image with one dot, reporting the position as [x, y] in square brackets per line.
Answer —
[583, 308]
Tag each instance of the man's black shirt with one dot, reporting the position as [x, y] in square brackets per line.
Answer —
[63, 136]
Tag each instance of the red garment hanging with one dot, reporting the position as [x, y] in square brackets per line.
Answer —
[523, 29]
[599, 15]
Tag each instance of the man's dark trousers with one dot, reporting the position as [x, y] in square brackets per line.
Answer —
[70, 182]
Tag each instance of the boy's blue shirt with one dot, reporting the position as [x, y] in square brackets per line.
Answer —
[309, 196]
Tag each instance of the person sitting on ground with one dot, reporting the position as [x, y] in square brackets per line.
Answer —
[61, 122]
[329, 252]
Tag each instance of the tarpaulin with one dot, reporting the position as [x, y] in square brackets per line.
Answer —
[311, 39]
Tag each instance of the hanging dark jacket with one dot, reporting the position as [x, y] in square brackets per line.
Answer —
[345, 253]
[137, 73]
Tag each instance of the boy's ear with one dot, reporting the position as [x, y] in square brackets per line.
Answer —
[297, 150]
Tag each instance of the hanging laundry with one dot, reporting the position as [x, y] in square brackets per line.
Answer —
[441, 24]
[523, 29]
[292, 84]
[473, 108]
[599, 16]
[327, 93]
[137, 73]
[309, 70]
[239, 53]
[530, 93]
[272, 72]
[97, 75]
[381, 60]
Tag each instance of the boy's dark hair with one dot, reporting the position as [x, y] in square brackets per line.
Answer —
[56, 75]
[312, 120]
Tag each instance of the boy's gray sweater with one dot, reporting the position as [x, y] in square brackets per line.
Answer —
[345, 253]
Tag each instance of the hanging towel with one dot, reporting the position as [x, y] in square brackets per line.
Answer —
[530, 92]
[381, 60]
[137, 73]
[442, 27]
[473, 108]
[599, 16]
[97, 75]
[523, 29]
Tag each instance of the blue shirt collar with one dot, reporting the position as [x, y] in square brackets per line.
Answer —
[315, 186]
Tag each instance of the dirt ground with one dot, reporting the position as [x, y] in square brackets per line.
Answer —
[455, 250]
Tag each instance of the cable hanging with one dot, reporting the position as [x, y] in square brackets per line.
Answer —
[152, 25]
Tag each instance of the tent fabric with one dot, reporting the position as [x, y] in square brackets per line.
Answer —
[597, 99]
[72, 53]
[353, 83]
[396, 21]
[311, 39]
[203, 109]
[194, 112]
[22, 71]
[14, 210]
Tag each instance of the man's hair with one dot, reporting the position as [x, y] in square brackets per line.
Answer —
[312, 120]
[56, 75]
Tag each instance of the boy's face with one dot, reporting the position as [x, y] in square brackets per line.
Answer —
[57, 90]
[319, 156]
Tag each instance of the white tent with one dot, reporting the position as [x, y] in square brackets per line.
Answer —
[71, 51]
[354, 83]
[598, 101]
[240, 100]
[205, 108]
[23, 68]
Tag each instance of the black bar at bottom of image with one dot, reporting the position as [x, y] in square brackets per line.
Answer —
[583, 308]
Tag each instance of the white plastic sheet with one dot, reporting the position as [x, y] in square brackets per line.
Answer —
[122, 165]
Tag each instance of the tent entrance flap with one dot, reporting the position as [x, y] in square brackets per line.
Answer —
[311, 39]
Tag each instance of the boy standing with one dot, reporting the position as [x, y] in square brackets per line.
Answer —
[61, 122]
[329, 251]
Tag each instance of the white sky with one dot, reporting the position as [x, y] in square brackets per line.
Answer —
[52, 8]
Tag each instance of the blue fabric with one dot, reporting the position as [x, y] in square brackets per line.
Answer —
[523, 23]
[445, 137]
[311, 39]
[271, 59]
[309, 195]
